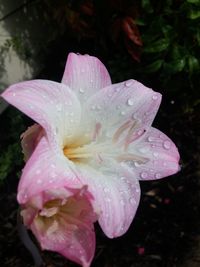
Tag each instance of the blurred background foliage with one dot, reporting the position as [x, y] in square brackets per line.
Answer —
[155, 42]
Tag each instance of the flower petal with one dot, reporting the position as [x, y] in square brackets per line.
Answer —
[161, 154]
[117, 195]
[53, 105]
[125, 109]
[85, 75]
[46, 169]
[30, 139]
[73, 236]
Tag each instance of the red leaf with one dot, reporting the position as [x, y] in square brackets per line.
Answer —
[131, 30]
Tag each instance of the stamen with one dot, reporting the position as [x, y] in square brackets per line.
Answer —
[129, 135]
[96, 131]
[132, 157]
[120, 130]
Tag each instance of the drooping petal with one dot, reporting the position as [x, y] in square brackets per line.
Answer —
[53, 105]
[161, 154]
[75, 242]
[71, 231]
[46, 169]
[124, 110]
[30, 139]
[117, 195]
[85, 75]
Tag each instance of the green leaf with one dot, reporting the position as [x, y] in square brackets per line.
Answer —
[153, 67]
[193, 1]
[193, 64]
[175, 66]
[194, 14]
[158, 46]
[146, 4]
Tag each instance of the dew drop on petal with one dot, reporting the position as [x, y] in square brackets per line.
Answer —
[118, 107]
[157, 175]
[167, 144]
[155, 154]
[129, 83]
[155, 97]
[122, 202]
[144, 175]
[130, 102]
[150, 139]
[38, 171]
[132, 201]
[81, 90]
[106, 189]
[123, 113]
[59, 107]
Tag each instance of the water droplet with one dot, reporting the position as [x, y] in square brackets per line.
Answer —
[14, 94]
[118, 107]
[38, 171]
[150, 139]
[155, 154]
[136, 164]
[144, 175]
[122, 202]
[132, 201]
[123, 113]
[81, 90]
[157, 175]
[108, 199]
[39, 181]
[98, 107]
[167, 144]
[130, 102]
[59, 107]
[53, 175]
[106, 189]
[139, 132]
[129, 83]
[155, 97]
[93, 107]
[123, 178]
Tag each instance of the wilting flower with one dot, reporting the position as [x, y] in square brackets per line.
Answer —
[62, 220]
[92, 133]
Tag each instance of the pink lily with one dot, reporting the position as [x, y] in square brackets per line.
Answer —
[94, 133]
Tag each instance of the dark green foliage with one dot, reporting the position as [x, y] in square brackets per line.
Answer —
[11, 158]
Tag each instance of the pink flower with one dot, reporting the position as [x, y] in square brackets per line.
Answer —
[62, 220]
[92, 133]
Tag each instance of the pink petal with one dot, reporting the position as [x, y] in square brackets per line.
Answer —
[46, 169]
[85, 75]
[161, 154]
[72, 234]
[53, 105]
[30, 139]
[122, 107]
[117, 195]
